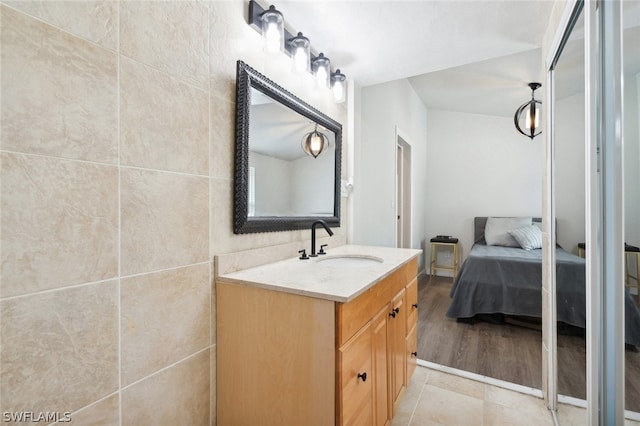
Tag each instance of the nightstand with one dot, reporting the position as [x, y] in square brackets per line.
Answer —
[630, 252]
[445, 243]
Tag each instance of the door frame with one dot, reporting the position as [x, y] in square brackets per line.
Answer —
[403, 190]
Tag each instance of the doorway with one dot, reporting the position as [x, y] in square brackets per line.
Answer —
[403, 192]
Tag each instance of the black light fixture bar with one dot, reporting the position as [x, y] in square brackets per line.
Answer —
[255, 12]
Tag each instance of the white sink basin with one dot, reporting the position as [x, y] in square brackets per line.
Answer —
[349, 261]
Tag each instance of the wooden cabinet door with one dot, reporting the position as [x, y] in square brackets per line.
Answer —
[412, 351]
[356, 379]
[397, 345]
[412, 327]
[381, 396]
[412, 303]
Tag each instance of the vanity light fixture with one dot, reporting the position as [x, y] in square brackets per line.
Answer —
[270, 23]
[532, 113]
[272, 30]
[321, 67]
[300, 49]
[339, 86]
[313, 142]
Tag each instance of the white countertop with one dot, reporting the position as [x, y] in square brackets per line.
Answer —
[314, 278]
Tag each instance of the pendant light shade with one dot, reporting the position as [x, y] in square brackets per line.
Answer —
[321, 67]
[272, 30]
[339, 86]
[531, 112]
[300, 52]
[313, 142]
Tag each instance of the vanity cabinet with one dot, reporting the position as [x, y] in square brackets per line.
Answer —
[289, 359]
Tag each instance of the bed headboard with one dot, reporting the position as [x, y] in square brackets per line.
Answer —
[479, 222]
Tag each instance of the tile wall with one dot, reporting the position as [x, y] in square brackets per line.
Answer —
[116, 168]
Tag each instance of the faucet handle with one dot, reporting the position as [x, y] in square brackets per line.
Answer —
[322, 249]
[303, 256]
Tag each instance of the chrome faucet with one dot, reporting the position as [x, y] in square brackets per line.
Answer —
[313, 235]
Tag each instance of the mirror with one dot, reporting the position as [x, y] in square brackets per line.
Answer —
[631, 135]
[278, 186]
[570, 199]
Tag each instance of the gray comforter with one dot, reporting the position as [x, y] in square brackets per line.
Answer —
[508, 280]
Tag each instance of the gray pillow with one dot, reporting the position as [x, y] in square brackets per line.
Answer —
[496, 231]
[528, 237]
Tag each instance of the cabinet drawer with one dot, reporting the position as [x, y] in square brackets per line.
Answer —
[356, 379]
[412, 303]
[412, 351]
[353, 315]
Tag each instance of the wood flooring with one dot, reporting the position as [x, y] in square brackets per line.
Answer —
[504, 351]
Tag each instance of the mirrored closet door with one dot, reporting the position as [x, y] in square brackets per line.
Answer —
[610, 157]
[570, 192]
[631, 164]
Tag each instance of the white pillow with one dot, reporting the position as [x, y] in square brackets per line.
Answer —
[529, 237]
[496, 231]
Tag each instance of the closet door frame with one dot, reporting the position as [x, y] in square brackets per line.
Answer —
[603, 211]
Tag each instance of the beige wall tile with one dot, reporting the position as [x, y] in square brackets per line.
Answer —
[59, 93]
[164, 122]
[223, 240]
[176, 396]
[59, 349]
[59, 223]
[103, 413]
[164, 220]
[168, 35]
[165, 318]
[222, 138]
[95, 21]
[232, 40]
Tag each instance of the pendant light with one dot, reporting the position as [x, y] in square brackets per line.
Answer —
[313, 142]
[531, 110]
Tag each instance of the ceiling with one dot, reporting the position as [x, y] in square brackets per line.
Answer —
[473, 56]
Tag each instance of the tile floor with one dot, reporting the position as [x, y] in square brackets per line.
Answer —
[435, 398]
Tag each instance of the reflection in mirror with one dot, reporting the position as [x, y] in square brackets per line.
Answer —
[278, 186]
[284, 180]
[631, 135]
[569, 187]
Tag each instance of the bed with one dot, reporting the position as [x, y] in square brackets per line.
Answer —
[507, 280]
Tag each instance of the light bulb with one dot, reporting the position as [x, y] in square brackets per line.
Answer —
[533, 109]
[338, 90]
[300, 60]
[316, 143]
[272, 38]
[322, 77]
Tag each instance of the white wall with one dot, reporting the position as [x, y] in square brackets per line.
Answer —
[312, 184]
[383, 108]
[632, 159]
[478, 165]
[273, 185]
[569, 169]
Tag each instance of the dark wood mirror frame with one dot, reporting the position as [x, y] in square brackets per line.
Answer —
[247, 78]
